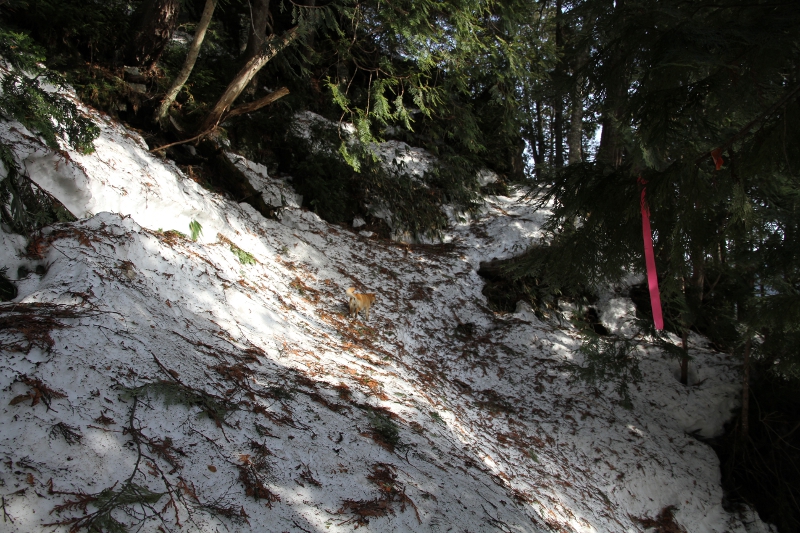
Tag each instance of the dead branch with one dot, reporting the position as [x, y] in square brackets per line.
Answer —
[196, 137]
[255, 105]
[269, 50]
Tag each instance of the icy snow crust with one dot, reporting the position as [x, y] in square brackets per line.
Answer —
[494, 435]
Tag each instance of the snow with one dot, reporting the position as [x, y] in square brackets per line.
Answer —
[494, 433]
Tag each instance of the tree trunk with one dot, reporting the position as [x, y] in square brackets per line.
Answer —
[518, 162]
[155, 22]
[235, 87]
[558, 103]
[257, 36]
[188, 65]
[611, 141]
[699, 278]
[685, 357]
[575, 137]
[612, 146]
[234, 24]
[745, 429]
[743, 316]
[540, 152]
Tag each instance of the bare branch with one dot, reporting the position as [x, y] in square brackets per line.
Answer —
[257, 104]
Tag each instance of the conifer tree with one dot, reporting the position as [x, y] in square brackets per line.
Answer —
[699, 100]
[682, 76]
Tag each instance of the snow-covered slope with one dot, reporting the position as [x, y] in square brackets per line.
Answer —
[165, 383]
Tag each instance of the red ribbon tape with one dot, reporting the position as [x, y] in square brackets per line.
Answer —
[650, 259]
[716, 155]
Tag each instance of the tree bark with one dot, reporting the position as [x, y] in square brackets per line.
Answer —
[612, 145]
[156, 20]
[685, 357]
[518, 161]
[541, 152]
[611, 142]
[240, 81]
[743, 316]
[575, 137]
[188, 65]
[558, 99]
[745, 429]
[257, 36]
[233, 23]
[255, 105]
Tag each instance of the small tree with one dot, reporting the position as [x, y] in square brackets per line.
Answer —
[191, 57]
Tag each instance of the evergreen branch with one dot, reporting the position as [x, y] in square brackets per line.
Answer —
[6, 516]
[70, 434]
[132, 495]
[35, 321]
[108, 500]
[750, 125]
[24, 205]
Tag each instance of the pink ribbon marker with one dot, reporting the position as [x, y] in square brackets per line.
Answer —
[650, 259]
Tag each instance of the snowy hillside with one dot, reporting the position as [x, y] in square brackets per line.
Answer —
[219, 385]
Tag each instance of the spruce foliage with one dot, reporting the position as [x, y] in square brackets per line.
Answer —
[32, 95]
[681, 88]
[42, 109]
[24, 206]
[446, 76]
[96, 30]
[610, 360]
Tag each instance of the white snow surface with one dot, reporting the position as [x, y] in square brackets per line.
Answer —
[494, 434]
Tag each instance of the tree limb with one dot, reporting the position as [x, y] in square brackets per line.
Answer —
[256, 104]
[204, 133]
[236, 111]
[240, 81]
[750, 125]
